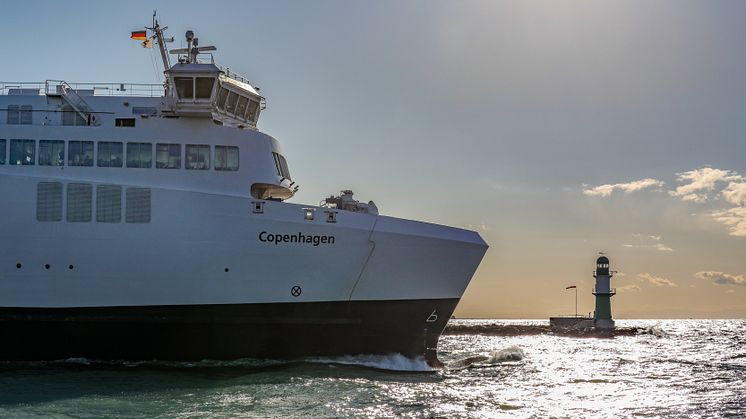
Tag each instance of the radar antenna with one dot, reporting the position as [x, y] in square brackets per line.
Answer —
[189, 54]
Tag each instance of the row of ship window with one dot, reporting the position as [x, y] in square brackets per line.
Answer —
[111, 154]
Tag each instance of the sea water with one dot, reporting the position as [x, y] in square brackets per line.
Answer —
[673, 368]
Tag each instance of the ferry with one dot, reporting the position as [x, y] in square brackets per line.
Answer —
[154, 222]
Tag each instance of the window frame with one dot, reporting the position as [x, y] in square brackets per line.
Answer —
[108, 153]
[80, 152]
[46, 144]
[28, 160]
[226, 168]
[198, 148]
[140, 147]
[197, 87]
[178, 88]
[169, 155]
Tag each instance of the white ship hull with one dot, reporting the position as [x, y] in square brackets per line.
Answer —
[228, 273]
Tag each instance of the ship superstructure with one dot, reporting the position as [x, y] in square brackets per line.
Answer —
[151, 222]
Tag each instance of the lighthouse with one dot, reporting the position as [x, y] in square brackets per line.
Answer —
[603, 293]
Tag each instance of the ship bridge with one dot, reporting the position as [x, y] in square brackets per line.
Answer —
[197, 87]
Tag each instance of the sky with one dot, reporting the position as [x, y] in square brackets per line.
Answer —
[556, 129]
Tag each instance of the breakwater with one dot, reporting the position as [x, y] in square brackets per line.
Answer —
[538, 329]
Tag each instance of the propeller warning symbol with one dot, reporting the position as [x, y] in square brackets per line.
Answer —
[295, 291]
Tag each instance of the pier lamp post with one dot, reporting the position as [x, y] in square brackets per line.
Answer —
[576, 298]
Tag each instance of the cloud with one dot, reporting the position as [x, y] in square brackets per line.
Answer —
[650, 242]
[637, 185]
[700, 182]
[735, 218]
[721, 278]
[662, 247]
[631, 287]
[735, 193]
[658, 281]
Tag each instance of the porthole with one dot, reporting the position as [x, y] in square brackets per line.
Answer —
[226, 269]
[47, 266]
[71, 267]
[18, 266]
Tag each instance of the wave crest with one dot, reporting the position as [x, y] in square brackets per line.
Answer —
[392, 362]
[511, 353]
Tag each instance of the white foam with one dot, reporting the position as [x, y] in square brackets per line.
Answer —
[655, 330]
[393, 362]
[511, 353]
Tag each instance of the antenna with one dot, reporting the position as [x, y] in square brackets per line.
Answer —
[189, 54]
[161, 41]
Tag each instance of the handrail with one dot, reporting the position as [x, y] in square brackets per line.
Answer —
[233, 75]
[99, 89]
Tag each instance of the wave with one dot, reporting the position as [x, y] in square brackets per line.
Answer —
[391, 362]
[654, 330]
[511, 353]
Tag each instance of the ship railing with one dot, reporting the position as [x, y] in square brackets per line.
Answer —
[98, 89]
[233, 75]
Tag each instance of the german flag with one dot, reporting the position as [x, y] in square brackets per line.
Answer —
[139, 35]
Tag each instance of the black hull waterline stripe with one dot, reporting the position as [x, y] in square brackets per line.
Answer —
[225, 331]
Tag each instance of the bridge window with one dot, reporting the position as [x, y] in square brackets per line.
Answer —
[168, 156]
[2, 151]
[226, 158]
[204, 87]
[241, 108]
[51, 153]
[80, 153]
[197, 157]
[222, 96]
[140, 155]
[251, 110]
[230, 104]
[22, 152]
[109, 154]
[184, 87]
